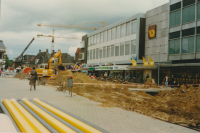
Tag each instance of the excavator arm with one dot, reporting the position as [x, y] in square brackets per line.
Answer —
[54, 57]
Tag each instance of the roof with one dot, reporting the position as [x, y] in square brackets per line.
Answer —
[1, 44]
[78, 50]
[43, 58]
[31, 59]
[66, 58]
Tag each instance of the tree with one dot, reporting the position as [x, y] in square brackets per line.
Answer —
[7, 64]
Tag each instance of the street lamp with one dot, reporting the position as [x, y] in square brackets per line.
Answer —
[158, 52]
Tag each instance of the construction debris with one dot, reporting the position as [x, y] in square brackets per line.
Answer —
[21, 76]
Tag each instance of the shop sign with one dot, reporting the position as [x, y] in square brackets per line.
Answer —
[107, 68]
[152, 32]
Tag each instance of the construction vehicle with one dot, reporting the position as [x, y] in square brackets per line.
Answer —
[52, 36]
[78, 26]
[46, 71]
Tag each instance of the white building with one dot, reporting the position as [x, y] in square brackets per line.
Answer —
[2, 54]
[118, 42]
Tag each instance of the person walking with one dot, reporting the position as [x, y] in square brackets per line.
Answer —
[33, 79]
[166, 79]
[172, 81]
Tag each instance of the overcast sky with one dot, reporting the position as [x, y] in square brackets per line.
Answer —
[19, 19]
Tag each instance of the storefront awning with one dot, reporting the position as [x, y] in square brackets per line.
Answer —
[91, 68]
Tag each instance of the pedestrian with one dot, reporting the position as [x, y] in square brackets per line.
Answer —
[33, 79]
[166, 79]
[172, 81]
[105, 75]
[147, 77]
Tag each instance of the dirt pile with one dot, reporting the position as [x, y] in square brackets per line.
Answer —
[150, 82]
[21, 75]
[83, 78]
[63, 75]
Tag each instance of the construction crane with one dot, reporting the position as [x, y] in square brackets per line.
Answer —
[52, 36]
[78, 26]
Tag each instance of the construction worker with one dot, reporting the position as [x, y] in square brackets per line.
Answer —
[33, 79]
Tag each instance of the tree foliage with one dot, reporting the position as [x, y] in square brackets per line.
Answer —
[8, 63]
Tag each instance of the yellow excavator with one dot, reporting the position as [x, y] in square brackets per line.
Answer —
[47, 71]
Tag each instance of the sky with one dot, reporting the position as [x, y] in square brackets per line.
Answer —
[19, 19]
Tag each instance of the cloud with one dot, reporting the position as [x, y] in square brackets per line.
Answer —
[10, 51]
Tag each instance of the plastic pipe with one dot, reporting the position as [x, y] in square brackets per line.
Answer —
[5, 111]
[18, 118]
[34, 123]
[73, 121]
[58, 118]
[50, 128]
[60, 127]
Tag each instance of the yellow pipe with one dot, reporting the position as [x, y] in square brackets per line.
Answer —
[34, 123]
[18, 118]
[73, 121]
[60, 127]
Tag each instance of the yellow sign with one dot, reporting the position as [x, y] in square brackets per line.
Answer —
[145, 63]
[152, 33]
[151, 62]
[134, 63]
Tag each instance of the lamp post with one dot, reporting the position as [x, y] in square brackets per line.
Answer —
[158, 52]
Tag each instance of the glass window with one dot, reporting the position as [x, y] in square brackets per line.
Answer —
[100, 53]
[105, 36]
[98, 37]
[90, 54]
[188, 2]
[89, 41]
[198, 11]
[93, 53]
[175, 6]
[118, 32]
[123, 30]
[92, 40]
[108, 51]
[133, 46]
[188, 45]
[101, 37]
[109, 35]
[133, 27]
[174, 46]
[104, 52]
[171, 47]
[127, 48]
[188, 32]
[97, 53]
[95, 41]
[174, 35]
[113, 33]
[198, 43]
[112, 50]
[175, 18]
[189, 14]
[121, 49]
[117, 50]
[128, 28]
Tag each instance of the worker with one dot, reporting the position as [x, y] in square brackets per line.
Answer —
[33, 79]
[147, 77]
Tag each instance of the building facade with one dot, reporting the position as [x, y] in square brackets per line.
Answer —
[2, 55]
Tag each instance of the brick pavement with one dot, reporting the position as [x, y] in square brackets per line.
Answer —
[114, 120]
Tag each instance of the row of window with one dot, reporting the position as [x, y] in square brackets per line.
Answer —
[187, 45]
[121, 49]
[114, 33]
[185, 4]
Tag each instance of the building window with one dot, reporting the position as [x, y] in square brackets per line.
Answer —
[188, 14]
[133, 46]
[133, 27]
[93, 53]
[117, 50]
[188, 2]
[97, 53]
[104, 36]
[174, 35]
[112, 50]
[98, 37]
[123, 30]
[100, 53]
[108, 51]
[95, 41]
[121, 49]
[118, 32]
[127, 48]
[174, 46]
[90, 54]
[91, 41]
[128, 28]
[188, 32]
[104, 52]
[198, 11]
[175, 18]
[175, 6]
[198, 43]
[113, 33]
[109, 35]
[188, 45]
